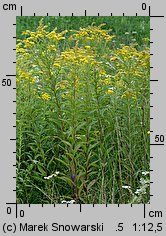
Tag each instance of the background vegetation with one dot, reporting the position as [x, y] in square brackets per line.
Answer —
[119, 25]
[83, 110]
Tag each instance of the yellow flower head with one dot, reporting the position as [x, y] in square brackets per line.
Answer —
[57, 65]
[110, 91]
[45, 96]
[129, 93]
[113, 58]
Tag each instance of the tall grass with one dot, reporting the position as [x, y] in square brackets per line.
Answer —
[83, 110]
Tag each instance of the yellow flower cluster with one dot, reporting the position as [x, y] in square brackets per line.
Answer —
[123, 72]
[24, 75]
[28, 42]
[129, 94]
[51, 47]
[55, 36]
[33, 38]
[46, 96]
[106, 81]
[92, 32]
[20, 49]
[113, 58]
[110, 91]
[78, 55]
[127, 53]
[62, 85]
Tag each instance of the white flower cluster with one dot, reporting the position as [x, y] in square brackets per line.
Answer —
[53, 175]
[68, 202]
[145, 173]
[126, 187]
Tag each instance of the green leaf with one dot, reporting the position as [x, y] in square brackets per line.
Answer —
[91, 183]
[80, 126]
[92, 146]
[63, 162]
[66, 179]
[42, 171]
[50, 162]
[76, 149]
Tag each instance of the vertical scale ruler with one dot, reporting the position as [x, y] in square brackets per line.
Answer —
[106, 219]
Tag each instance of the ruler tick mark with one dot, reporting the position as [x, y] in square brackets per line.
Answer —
[144, 211]
[149, 11]
[21, 10]
[157, 144]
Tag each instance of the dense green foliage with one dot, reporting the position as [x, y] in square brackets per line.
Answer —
[83, 109]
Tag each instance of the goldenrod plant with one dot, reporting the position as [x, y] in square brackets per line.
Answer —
[82, 116]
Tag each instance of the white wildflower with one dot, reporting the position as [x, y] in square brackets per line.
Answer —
[138, 191]
[71, 202]
[63, 202]
[126, 187]
[53, 175]
[68, 202]
[35, 162]
[145, 173]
